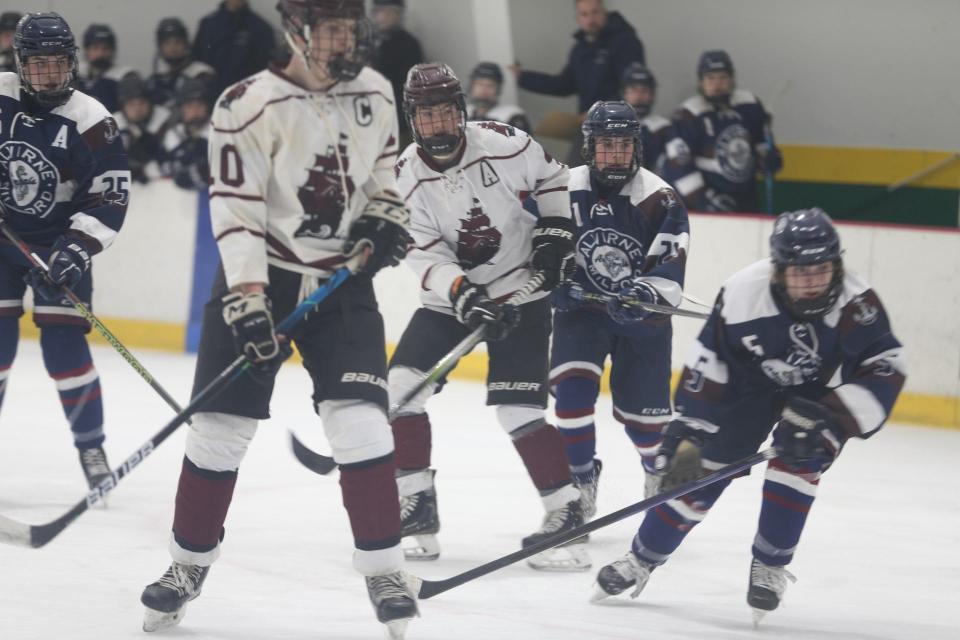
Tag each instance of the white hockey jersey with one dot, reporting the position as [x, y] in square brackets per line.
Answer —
[469, 220]
[291, 169]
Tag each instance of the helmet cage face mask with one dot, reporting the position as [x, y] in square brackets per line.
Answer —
[44, 49]
[612, 120]
[806, 238]
[337, 38]
[437, 144]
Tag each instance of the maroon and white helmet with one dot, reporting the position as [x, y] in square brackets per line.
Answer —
[430, 84]
[300, 18]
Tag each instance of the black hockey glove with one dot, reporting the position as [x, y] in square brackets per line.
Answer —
[475, 308]
[383, 228]
[69, 260]
[249, 318]
[553, 251]
[807, 431]
[678, 458]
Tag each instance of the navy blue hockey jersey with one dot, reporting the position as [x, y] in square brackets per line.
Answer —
[62, 171]
[848, 359]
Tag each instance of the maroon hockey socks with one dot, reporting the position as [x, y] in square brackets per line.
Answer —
[411, 441]
[203, 498]
[541, 448]
[372, 502]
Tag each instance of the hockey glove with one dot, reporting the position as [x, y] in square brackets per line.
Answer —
[807, 431]
[553, 251]
[383, 228]
[69, 260]
[622, 309]
[474, 308]
[249, 318]
[568, 296]
[769, 159]
[678, 458]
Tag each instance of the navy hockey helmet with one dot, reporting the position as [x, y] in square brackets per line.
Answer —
[9, 20]
[427, 85]
[100, 33]
[172, 28]
[637, 73]
[489, 70]
[613, 119]
[45, 34]
[130, 87]
[806, 237]
[713, 61]
[299, 19]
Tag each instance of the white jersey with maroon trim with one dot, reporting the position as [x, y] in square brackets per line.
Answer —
[291, 169]
[469, 219]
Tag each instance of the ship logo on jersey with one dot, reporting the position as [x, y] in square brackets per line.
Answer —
[477, 239]
[734, 153]
[609, 256]
[802, 363]
[322, 195]
[28, 180]
[235, 92]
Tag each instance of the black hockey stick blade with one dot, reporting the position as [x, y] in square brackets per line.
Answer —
[430, 588]
[316, 462]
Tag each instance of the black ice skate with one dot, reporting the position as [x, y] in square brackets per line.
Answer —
[420, 519]
[767, 584]
[588, 483]
[166, 599]
[393, 601]
[93, 461]
[571, 556]
[620, 575]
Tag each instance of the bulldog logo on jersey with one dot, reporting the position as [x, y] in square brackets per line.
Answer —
[802, 363]
[610, 257]
[735, 154]
[28, 180]
[477, 239]
[322, 195]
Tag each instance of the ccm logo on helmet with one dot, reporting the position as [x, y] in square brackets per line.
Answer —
[368, 378]
[617, 125]
[514, 386]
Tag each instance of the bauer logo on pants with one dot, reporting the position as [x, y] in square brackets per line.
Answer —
[369, 378]
[514, 386]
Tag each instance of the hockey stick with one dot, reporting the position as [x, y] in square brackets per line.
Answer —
[647, 306]
[430, 588]
[321, 464]
[18, 533]
[767, 173]
[78, 304]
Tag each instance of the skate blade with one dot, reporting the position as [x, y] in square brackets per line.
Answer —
[154, 620]
[598, 594]
[572, 558]
[758, 615]
[397, 629]
[425, 548]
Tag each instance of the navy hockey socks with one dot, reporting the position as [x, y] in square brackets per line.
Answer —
[67, 358]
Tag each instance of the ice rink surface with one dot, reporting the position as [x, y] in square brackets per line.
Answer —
[879, 557]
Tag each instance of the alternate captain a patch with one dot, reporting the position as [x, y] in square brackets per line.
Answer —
[28, 180]
[609, 257]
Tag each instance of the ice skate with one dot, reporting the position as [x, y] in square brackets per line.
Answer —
[571, 556]
[393, 601]
[93, 461]
[767, 584]
[620, 575]
[166, 599]
[588, 483]
[419, 518]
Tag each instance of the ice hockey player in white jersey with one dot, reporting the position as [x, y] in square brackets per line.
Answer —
[486, 85]
[475, 245]
[302, 179]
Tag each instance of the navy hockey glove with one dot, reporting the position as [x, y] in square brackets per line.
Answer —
[621, 309]
[678, 458]
[69, 260]
[383, 228]
[807, 431]
[768, 158]
[249, 318]
[568, 296]
[474, 308]
[553, 251]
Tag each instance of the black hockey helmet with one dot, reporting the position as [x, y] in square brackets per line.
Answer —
[9, 20]
[802, 238]
[489, 70]
[431, 84]
[45, 34]
[130, 87]
[100, 33]
[638, 74]
[192, 89]
[714, 60]
[299, 19]
[615, 119]
[172, 28]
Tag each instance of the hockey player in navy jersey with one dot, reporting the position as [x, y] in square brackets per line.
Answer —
[658, 137]
[632, 241]
[726, 132]
[483, 99]
[63, 188]
[797, 345]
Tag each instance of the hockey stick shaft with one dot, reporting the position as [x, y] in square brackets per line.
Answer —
[13, 532]
[322, 465]
[78, 304]
[767, 173]
[647, 306]
[430, 588]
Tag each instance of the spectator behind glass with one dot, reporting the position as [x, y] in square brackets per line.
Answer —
[98, 75]
[185, 144]
[235, 41]
[142, 126]
[726, 132]
[8, 25]
[172, 64]
[397, 51]
[605, 44]
[486, 83]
